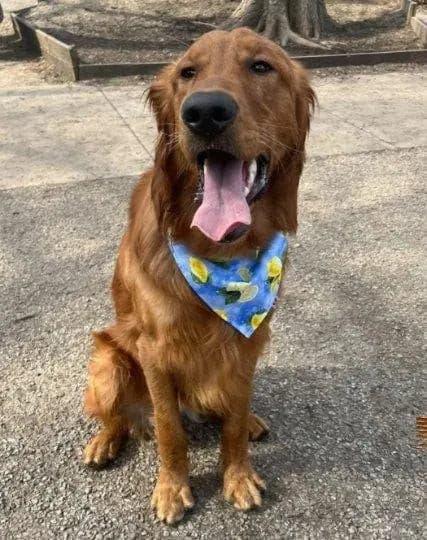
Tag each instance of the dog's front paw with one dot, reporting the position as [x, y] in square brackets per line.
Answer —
[171, 498]
[103, 447]
[242, 487]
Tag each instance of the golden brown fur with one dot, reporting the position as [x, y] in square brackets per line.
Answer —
[167, 350]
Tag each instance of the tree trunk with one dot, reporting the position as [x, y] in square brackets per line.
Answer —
[298, 21]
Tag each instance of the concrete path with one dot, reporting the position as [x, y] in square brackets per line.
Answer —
[64, 133]
[341, 384]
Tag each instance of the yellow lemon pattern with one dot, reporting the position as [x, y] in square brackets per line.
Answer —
[257, 319]
[274, 267]
[245, 273]
[241, 291]
[274, 285]
[198, 270]
[247, 292]
[222, 313]
[274, 273]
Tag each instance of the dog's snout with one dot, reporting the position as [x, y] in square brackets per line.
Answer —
[209, 113]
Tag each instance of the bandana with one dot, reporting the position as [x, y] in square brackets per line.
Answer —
[242, 290]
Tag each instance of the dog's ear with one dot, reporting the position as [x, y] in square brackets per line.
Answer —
[305, 102]
[161, 100]
[290, 169]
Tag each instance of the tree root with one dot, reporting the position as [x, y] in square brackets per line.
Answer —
[299, 40]
[270, 18]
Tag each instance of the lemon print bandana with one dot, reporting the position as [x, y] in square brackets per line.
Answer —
[242, 290]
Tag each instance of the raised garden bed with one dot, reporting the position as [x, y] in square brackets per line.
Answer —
[113, 38]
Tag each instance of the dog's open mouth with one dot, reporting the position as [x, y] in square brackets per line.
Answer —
[229, 185]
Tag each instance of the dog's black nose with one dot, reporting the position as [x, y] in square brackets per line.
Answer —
[208, 113]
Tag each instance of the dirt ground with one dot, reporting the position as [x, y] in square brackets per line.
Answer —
[109, 31]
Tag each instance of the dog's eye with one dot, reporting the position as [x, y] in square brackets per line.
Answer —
[188, 73]
[260, 66]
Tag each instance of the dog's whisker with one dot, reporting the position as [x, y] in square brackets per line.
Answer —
[267, 137]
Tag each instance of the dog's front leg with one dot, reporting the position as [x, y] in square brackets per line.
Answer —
[242, 485]
[172, 494]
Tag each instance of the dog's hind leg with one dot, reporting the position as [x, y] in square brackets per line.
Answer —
[117, 396]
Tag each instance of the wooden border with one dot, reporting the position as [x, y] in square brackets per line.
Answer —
[89, 71]
[419, 26]
[61, 56]
[65, 60]
[102, 71]
[363, 59]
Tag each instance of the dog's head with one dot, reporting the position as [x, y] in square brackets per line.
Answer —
[233, 114]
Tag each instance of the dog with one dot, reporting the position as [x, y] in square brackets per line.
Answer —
[232, 115]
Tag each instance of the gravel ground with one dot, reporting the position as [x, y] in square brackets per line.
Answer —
[340, 385]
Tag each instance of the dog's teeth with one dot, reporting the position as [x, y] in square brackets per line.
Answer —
[252, 172]
[247, 190]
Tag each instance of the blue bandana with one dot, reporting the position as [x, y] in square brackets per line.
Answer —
[241, 291]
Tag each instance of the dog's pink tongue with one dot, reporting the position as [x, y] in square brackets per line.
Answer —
[224, 205]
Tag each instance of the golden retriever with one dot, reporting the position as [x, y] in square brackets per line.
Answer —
[234, 98]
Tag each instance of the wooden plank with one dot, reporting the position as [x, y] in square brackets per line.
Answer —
[89, 71]
[360, 59]
[94, 71]
[419, 26]
[61, 56]
[26, 32]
